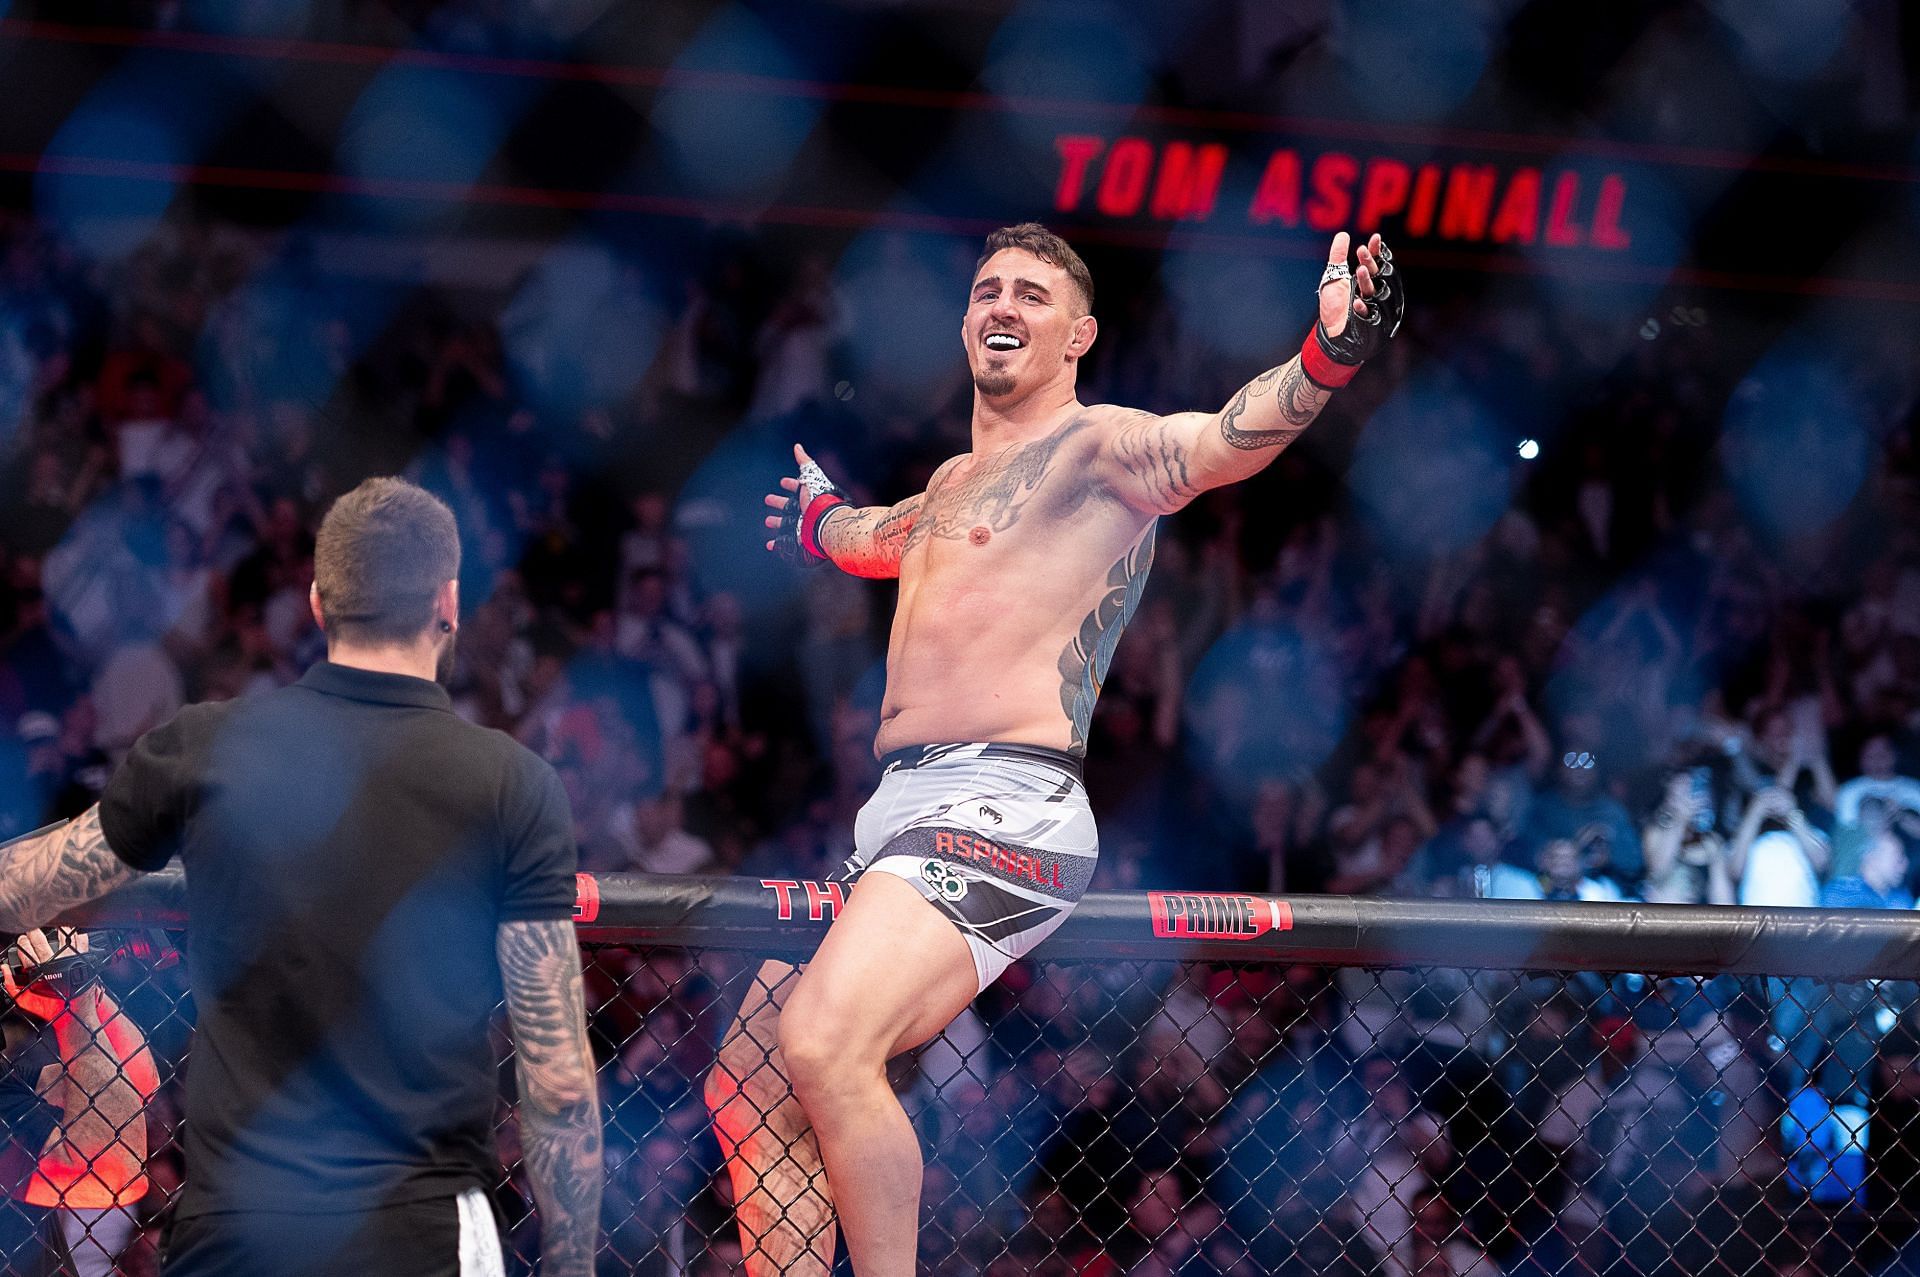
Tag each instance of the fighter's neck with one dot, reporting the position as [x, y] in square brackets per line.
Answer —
[999, 423]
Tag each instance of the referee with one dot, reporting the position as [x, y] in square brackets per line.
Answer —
[367, 876]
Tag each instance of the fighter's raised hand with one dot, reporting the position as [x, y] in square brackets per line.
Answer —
[802, 502]
[1360, 305]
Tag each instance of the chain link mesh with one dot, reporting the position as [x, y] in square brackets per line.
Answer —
[1147, 1118]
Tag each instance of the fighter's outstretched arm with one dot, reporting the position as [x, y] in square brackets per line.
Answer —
[868, 540]
[1161, 463]
[815, 525]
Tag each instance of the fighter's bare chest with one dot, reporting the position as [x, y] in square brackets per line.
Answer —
[1012, 495]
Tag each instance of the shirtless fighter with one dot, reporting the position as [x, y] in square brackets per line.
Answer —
[1018, 566]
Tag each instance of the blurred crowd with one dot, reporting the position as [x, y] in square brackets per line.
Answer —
[1669, 659]
[1672, 653]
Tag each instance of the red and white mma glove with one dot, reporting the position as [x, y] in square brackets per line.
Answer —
[1330, 362]
[797, 540]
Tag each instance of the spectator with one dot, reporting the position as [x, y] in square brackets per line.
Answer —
[1686, 856]
[653, 840]
[1563, 875]
[1877, 779]
[1486, 875]
[1777, 856]
[1579, 809]
[1881, 882]
[1790, 749]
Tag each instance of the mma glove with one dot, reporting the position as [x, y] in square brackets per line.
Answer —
[797, 539]
[1330, 362]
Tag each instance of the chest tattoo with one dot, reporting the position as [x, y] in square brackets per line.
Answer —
[994, 493]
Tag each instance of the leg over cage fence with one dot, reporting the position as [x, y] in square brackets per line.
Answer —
[1201, 1083]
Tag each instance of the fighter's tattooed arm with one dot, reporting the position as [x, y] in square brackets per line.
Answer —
[106, 1075]
[869, 540]
[1159, 464]
[44, 876]
[559, 1102]
[1250, 424]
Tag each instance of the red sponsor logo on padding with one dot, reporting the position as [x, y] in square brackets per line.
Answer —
[824, 900]
[586, 898]
[1207, 915]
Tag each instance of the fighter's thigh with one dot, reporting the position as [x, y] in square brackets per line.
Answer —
[892, 972]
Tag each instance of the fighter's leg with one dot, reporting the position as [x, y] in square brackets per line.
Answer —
[779, 1184]
[891, 974]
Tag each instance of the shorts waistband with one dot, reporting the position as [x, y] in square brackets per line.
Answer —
[921, 755]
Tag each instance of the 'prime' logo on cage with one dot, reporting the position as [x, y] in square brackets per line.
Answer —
[1207, 915]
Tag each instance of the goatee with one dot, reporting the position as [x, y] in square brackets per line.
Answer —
[993, 384]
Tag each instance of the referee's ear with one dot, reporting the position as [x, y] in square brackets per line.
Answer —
[446, 606]
[313, 602]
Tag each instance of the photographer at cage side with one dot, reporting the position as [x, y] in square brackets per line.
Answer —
[75, 1075]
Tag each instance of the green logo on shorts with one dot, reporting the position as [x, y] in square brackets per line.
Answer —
[941, 877]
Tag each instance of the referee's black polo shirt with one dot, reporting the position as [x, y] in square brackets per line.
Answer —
[350, 845]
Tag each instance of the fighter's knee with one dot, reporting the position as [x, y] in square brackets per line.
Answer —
[814, 1050]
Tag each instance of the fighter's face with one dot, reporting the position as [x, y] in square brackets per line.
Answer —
[1023, 324]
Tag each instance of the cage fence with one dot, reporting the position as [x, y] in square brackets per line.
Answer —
[1228, 1103]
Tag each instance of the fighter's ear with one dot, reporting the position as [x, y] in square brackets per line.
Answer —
[1085, 329]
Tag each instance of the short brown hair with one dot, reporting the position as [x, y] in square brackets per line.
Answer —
[383, 551]
[1049, 248]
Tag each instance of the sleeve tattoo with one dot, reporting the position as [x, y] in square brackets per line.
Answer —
[869, 540]
[1297, 399]
[1168, 461]
[559, 1104]
[43, 877]
[1157, 459]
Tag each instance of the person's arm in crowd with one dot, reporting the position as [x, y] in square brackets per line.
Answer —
[1720, 883]
[1818, 850]
[1413, 803]
[1664, 835]
[559, 1100]
[1672, 651]
[1158, 464]
[1759, 807]
[1533, 733]
[97, 1156]
[1533, 737]
[1812, 750]
[51, 871]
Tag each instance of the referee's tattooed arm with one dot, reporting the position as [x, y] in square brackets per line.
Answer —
[559, 1103]
[47, 874]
